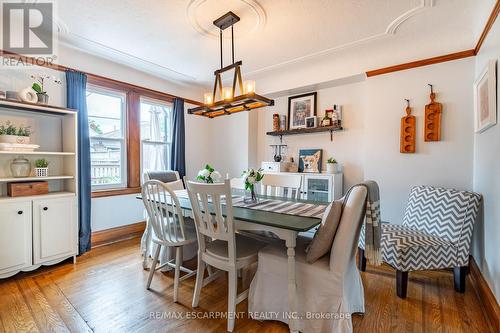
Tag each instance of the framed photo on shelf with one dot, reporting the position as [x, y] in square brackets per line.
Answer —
[310, 160]
[301, 107]
[311, 122]
[485, 103]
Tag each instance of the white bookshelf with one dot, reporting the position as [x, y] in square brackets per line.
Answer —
[38, 153]
[41, 229]
[34, 179]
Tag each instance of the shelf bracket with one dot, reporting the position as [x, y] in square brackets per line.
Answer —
[331, 135]
[281, 139]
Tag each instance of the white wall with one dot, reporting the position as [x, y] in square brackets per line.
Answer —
[369, 146]
[347, 146]
[109, 212]
[487, 178]
[446, 163]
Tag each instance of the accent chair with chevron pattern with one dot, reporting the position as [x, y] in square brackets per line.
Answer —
[436, 233]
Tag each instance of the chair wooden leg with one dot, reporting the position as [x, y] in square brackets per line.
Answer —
[199, 281]
[459, 274]
[401, 283]
[231, 300]
[178, 261]
[361, 260]
[153, 266]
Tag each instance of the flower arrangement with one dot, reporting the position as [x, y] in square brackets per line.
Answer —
[209, 175]
[252, 177]
[39, 86]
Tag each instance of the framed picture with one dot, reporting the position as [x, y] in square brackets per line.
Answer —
[311, 122]
[310, 160]
[485, 95]
[299, 108]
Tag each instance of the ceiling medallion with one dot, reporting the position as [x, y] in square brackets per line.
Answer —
[228, 101]
[251, 11]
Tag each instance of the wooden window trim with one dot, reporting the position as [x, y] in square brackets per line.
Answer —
[132, 130]
[114, 192]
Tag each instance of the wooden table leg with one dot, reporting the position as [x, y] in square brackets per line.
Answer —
[292, 285]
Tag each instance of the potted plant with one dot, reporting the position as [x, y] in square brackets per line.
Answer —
[209, 175]
[39, 87]
[332, 166]
[11, 134]
[252, 177]
[41, 168]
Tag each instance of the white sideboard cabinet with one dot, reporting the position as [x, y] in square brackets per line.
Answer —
[319, 186]
[40, 229]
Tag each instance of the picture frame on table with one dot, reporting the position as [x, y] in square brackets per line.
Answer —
[310, 160]
[485, 98]
[301, 107]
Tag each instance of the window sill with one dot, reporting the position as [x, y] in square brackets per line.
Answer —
[114, 192]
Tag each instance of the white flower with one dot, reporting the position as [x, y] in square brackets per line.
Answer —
[216, 176]
[250, 180]
[204, 173]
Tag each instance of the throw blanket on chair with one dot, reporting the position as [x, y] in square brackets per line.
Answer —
[372, 227]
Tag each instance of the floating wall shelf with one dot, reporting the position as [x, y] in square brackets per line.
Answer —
[330, 129]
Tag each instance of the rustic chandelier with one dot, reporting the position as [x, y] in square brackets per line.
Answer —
[228, 102]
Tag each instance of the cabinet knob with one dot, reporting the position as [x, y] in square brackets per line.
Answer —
[20, 212]
[45, 208]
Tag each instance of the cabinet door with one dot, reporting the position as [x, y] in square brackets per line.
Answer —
[54, 229]
[15, 236]
[318, 188]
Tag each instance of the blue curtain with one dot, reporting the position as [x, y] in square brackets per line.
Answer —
[76, 86]
[178, 151]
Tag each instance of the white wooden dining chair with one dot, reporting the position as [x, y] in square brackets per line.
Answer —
[238, 185]
[281, 185]
[174, 182]
[226, 251]
[168, 228]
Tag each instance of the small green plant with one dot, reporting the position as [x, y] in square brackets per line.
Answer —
[9, 129]
[41, 163]
[331, 160]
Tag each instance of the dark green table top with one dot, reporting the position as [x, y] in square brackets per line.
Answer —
[278, 220]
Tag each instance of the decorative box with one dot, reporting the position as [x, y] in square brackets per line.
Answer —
[27, 189]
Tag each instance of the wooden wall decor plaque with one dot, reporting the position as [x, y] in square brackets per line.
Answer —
[408, 125]
[432, 125]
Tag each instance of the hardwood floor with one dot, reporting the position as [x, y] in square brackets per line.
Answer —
[105, 292]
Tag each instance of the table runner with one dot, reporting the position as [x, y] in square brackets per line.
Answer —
[283, 207]
[276, 206]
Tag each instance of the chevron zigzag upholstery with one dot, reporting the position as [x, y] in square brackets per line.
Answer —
[436, 231]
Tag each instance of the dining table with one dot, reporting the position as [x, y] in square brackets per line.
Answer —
[285, 226]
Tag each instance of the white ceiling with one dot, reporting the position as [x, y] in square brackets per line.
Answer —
[175, 39]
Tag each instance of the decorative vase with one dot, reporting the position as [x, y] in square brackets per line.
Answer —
[20, 167]
[41, 172]
[250, 196]
[43, 98]
[331, 168]
[14, 139]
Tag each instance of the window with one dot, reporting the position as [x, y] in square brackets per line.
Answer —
[156, 125]
[106, 112]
